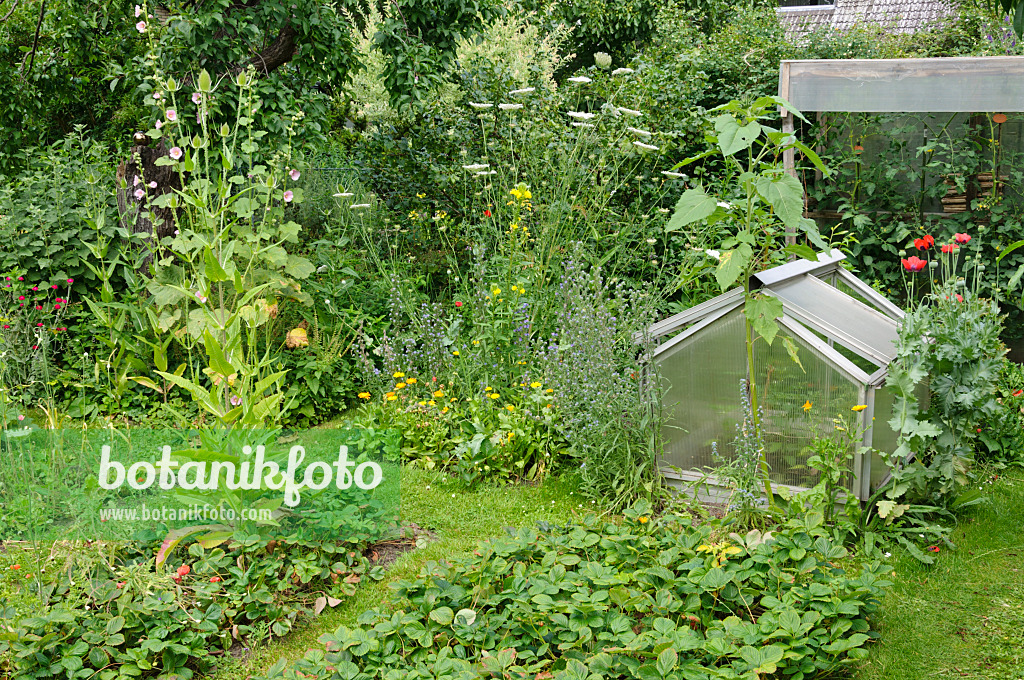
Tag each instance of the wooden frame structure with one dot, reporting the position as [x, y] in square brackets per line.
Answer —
[938, 85]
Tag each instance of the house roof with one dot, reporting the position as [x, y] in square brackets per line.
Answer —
[898, 16]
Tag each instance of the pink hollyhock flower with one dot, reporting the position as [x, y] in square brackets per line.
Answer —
[236, 400]
[135, 182]
[197, 97]
[288, 196]
[138, 11]
[159, 124]
[175, 153]
[294, 174]
[152, 185]
[139, 193]
[172, 115]
[141, 27]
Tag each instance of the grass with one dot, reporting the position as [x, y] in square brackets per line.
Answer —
[962, 617]
[460, 520]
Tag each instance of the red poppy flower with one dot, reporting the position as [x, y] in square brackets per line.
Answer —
[1018, 393]
[487, 213]
[949, 248]
[184, 570]
[914, 263]
[961, 238]
[458, 304]
[924, 243]
[932, 548]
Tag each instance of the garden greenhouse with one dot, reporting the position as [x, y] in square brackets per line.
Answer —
[845, 333]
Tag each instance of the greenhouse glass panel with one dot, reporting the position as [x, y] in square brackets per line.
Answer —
[702, 376]
[783, 389]
[859, 327]
[912, 85]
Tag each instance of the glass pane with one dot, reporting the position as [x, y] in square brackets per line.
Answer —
[702, 400]
[783, 389]
[875, 332]
[883, 437]
[921, 85]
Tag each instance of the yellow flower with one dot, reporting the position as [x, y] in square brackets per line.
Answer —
[548, 406]
[549, 391]
[364, 395]
[432, 403]
[455, 353]
[494, 395]
[444, 410]
[496, 291]
[411, 381]
[439, 394]
[398, 374]
[807, 405]
[399, 386]
[859, 407]
[392, 397]
[643, 520]
[422, 403]
[527, 195]
[488, 389]
[522, 363]
[476, 342]
[421, 195]
[535, 385]
[510, 407]
[514, 227]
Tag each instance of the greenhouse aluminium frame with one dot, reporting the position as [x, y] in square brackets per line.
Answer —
[846, 328]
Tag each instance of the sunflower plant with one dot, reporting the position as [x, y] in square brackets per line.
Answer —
[757, 205]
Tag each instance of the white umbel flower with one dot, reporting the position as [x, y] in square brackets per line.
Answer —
[476, 166]
[479, 105]
[649, 147]
[344, 194]
[525, 90]
[359, 206]
[713, 253]
[584, 125]
[581, 115]
[677, 175]
[510, 107]
[622, 71]
[632, 112]
[582, 80]
[485, 172]
[723, 204]
[638, 131]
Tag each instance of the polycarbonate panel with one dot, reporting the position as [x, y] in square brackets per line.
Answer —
[702, 399]
[883, 437]
[871, 333]
[783, 389]
[970, 84]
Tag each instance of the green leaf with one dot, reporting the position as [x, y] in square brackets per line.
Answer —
[732, 264]
[667, 660]
[763, 660]
[793, 351]
[733, 137]
[1009, 249]
[443, 615]
[801, 250]
[762, 311]
[218, 361]
[694, 205]
[214, 271]
[786, 195]
[298, 267]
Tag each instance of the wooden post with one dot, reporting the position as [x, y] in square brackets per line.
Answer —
[788, 156]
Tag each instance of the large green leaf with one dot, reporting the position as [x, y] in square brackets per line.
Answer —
[734, 137]
[762, 311]
[732, 264]
[692, 206]
[786, 195]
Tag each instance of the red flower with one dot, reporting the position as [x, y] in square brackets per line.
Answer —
[961, 238]
[959, 297]
[1018, 393]
[184, 570]
[54, 286]
[39, 307]
[924, 243]
[914, 264]
[121, 584]
[487, 213]
[215, 579]
[458, 304]
[21, 297]
[71, 280]
[932, 548]
[949, 248]
[56, 306]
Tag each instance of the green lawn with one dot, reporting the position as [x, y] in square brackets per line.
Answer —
[962, 617]
[460, 519]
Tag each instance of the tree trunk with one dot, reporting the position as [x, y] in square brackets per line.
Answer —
[140, 172]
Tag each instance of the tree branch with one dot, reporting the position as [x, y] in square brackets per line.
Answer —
[13, 7]
[35, 41]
